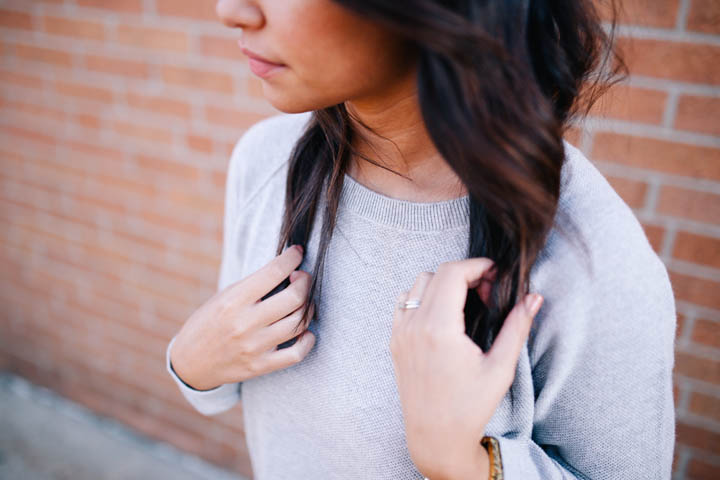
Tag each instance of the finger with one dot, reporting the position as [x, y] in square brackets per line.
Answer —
[284, 329]
[418, 289]
[399, 301]
[484, 284]
[285, 357]
[448, 289]
[267, 277]
[506, 348]
[487, 275]
[286, 301]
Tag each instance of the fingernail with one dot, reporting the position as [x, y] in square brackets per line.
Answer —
[532, 303]
[299, 248]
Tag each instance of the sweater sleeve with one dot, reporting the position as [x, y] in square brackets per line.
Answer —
[601, 355]
[207, 402]
[222, 397]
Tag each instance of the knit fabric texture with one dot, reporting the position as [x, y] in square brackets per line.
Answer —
[592, 394]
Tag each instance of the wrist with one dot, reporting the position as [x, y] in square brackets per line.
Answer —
[474, 467]
[486, 464]
[177, 367]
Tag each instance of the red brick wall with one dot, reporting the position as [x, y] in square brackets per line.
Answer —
[117, 121]
[657, 139]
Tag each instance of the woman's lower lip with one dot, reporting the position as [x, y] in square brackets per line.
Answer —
[263, 69]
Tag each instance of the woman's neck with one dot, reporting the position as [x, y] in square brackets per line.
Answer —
[407, 149]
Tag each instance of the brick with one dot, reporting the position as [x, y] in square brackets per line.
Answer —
[705, 405]
[631, 103]
[697, 437]
[696, 367]
[20, 79]
[199, 143]
[631, 191]
[681, 61]
[698, 469]
[700, 368]
[704, 16]
[197, 78]
[699, 249]
[39, 110]
[707, 332]
[226, 148]
[223, 47]
[89, 203]
[218, 179]
[695, 290]
[139, 239]
[84, 29]
[144, 132]
[127, 186]
[155, 38]
[698, 114]
[187, 8]
[110, 155]
[660, 155]
[190, 201]
[117, 66]
[689, 204]
[87, 120]
[45, 55]
[653, 13]
[160, 166]
[87, 92]
[29, 135]
[232, 117]
[680, 325]
[15, 19]
[150, 285]
[655, 235]
[159, 104]
[170, 223]
[122, 6]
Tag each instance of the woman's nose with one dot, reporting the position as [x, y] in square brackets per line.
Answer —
[239, 13]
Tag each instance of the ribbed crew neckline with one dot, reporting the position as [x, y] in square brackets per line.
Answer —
[404, 214]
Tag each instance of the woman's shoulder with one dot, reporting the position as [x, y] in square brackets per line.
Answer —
[594, 225]
[262, 151]
[597, 270]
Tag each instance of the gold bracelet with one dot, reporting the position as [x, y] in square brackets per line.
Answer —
[493, 448]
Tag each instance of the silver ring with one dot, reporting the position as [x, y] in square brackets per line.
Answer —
[410, 304]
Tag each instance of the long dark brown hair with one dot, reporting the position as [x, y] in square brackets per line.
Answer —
[499, 83]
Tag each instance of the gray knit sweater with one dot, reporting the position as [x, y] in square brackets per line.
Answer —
[592, 396]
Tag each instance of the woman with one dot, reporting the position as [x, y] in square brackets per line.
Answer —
[421, 164]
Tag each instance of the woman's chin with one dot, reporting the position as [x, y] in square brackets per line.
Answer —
[293, 104]
[290, 107]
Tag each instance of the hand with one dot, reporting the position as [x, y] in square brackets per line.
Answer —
[234, 335]
[448, 387]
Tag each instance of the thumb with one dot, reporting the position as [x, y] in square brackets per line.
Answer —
[506, 348]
